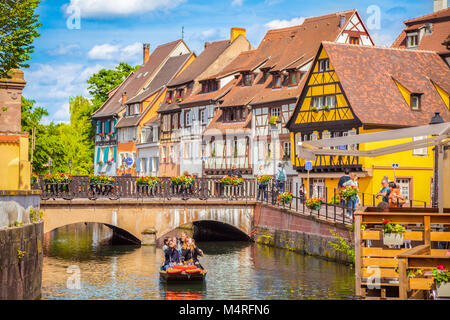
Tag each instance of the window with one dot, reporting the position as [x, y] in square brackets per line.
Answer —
[136, 108]
[330, 101]
[188, 118]
[317, 187]
[180, 95]
[317, 102]
[275, 112]
[354, 40]
[412, 40]
[203, 116]
[324, 65]
[415, 101]
[276, 81]
[175, 122]
[420, 151]
[293, 78]
[248, 79]
[404, 185]
[286, 149]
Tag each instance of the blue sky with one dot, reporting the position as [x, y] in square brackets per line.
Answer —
[111, 31]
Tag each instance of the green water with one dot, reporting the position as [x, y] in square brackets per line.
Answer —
[236, 270]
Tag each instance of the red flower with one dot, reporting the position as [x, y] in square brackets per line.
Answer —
[385, 221]
[440, 267]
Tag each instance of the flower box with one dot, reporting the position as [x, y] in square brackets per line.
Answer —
[390, 239]
[443, 290]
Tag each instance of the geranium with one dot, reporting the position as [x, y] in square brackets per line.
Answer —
[391, 228]
[104, 179]
[314, 203]
[233, 181]
[285, 197]
[440, 274]
[263, 179]
[150, 181]
[348, 192]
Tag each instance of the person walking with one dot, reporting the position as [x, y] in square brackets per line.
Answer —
[262, 188]
[281, 177]
[352, 201]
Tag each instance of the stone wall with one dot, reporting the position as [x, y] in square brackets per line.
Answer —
[287, 229]
[21, 260]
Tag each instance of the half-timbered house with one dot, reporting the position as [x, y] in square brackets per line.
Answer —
[355, 89]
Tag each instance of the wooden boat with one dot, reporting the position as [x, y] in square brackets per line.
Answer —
[183, 273]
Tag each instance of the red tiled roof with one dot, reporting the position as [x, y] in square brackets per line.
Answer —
[136, 81]
[372, 92]
[9, 138]
[199, 97]
[281, 49]
[217, 124]
[440, 31]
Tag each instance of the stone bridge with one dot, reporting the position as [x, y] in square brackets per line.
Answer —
[148, 220]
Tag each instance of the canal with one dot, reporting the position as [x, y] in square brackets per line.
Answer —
[77, 265]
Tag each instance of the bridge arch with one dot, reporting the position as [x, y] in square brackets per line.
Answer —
[136, 216]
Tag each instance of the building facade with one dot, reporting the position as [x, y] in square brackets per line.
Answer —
[342, 96]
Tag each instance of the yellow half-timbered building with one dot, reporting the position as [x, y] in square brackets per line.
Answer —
[355, 89]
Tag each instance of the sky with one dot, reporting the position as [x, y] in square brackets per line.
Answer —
[80, 37]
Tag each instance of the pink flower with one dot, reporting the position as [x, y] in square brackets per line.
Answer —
[440, 267]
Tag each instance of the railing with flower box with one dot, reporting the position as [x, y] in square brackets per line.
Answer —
[381, 266]
[102, 139]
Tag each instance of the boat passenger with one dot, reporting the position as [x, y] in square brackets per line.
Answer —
[191, 253]
[171, 256]
[165, 244]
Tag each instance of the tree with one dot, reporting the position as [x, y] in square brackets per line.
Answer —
[106, 80]
[31, 118]
[18, 28]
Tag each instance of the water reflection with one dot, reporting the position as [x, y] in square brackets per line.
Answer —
[236, 270]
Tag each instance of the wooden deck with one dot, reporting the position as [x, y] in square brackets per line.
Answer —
[385, 272]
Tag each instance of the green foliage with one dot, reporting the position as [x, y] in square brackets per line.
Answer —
[441, 275]
[16, 224]
[18, 28]
[105, 80]
[390, 228]
[341, 245]
[20, 254]
[36, 215]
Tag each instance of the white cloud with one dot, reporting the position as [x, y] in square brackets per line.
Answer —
[107, 8]
[236, 3]
[208, 33]
[276, 24]
[108, 51]
[51, 86]
[64, 49]
[383, 39]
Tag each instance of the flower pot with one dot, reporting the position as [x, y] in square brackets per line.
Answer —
[392, 239]
[443, 290]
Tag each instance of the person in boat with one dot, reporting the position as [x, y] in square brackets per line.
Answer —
[191, 253]
[171, 256]
[165, 244]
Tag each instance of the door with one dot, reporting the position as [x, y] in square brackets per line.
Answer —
[404, 185]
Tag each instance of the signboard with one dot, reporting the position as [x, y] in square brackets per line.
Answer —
[308, 165]
[342, 147]
[395, 165]
[129, 161]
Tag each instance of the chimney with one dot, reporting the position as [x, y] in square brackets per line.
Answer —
[236, 32]
[439, 5]
[124, 97]
[342, 20]
[207, 44]
[146, 49]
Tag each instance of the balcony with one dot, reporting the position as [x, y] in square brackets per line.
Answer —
[221, 166]
[330, 164]
[105, 139]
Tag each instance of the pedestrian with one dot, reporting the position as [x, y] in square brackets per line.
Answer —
[280, 177]
[351, 201]
[234, 172]
[262, 188]
[385, 191]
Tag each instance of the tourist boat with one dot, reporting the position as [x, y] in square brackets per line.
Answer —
[183, 273]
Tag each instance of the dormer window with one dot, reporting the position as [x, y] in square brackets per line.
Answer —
[354, 40]
[412, 40]
[248, 77]
[180, 95]
[169, 97]
[277, 81]
[233, 114]
[324, 65]
[210, 86]
[293, 78]
[415, 101]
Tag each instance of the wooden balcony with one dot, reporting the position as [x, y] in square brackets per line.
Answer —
[385, 272]
[105, 139]
[221, 166]
[330, 164]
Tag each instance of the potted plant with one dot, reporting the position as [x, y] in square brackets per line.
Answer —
[273, 121]
[348, 192]
[314, 109]
[392, 234]
[34, 178]
[441, 278]
[314, 203]
[326, 108]
[285, 198]
[226, 181]
[263, 179]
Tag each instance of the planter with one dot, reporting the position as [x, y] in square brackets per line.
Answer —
[315, 207]
[392, 239]
[443, 290]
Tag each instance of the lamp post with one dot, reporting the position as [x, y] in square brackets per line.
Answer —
[274, 130]
[70, 166]
[203, 156]
[436, 119]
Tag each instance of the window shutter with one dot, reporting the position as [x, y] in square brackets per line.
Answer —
[138, 164]
[99, 126]
[150, 164]
[115, 153]
[105, 154]
[107, 126]
[98, 154]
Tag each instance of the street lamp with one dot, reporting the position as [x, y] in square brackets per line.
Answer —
[70, 166]
[50, 163]
[274, 130]
[436, 119]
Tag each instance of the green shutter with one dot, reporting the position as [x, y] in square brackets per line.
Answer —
[105, 154]
[115, 152]
[107, 127]
[99, 126]
[98, 154]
